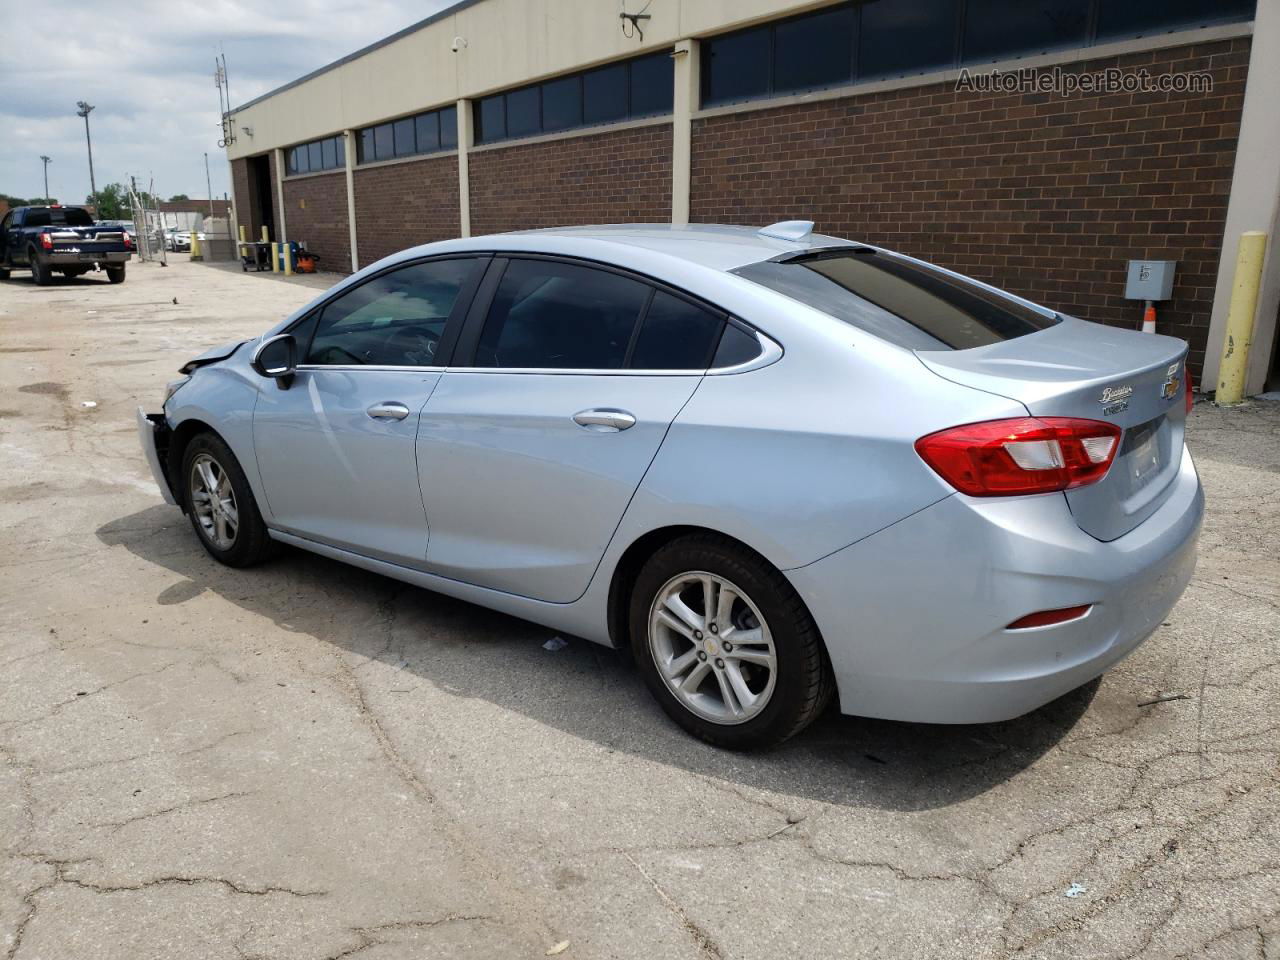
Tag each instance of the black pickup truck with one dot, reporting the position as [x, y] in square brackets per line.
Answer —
[65, 239]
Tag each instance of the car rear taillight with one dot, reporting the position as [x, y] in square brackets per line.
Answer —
[128, 243]
[1186, 375]
[46, 241]
[1000, 458]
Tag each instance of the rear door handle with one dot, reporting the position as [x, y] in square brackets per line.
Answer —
[604, 420]
[388, 410]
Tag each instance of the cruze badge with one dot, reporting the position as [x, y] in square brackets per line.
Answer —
[1169, 390]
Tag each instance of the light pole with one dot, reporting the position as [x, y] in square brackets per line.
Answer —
[84, 111]
[46, 176]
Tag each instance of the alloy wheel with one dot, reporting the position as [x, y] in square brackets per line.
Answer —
[214, 502]
[712, 647]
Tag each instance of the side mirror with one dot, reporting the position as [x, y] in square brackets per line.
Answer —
[277, 359]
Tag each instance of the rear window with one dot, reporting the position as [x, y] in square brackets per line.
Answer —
[62, 216]
[908, 304]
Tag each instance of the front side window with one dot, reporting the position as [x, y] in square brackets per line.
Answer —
[550, 315]
[396, 319]
[905, 303]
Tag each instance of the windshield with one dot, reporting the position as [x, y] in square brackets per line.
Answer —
[57, 217]
[908, 304]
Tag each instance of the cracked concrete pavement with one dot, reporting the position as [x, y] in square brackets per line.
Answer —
[308, 761]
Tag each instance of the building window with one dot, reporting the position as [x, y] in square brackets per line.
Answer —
[876, 39]
[1144, 18]
[327, 154]
[604, 95]
[641, 87]
[995, 29]
[900, 39]
[413, 136]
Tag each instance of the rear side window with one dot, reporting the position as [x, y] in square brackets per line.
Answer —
[736, 346]
[675, 335]
[908, 304]
[551, 315]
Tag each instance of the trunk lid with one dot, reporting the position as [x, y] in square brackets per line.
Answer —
[1081, 369]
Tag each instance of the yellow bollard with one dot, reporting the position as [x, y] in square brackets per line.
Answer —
[1244, 303]
[271, 247]
[195, 246]
[286, 258]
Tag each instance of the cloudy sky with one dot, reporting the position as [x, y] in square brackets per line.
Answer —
[147, 67]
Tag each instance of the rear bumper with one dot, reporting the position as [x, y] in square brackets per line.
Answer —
[153, 434]
[914, 616]
[86, 258]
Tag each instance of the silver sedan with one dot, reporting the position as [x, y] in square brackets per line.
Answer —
[781, 467]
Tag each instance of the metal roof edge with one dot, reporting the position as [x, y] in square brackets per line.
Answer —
[385, 41]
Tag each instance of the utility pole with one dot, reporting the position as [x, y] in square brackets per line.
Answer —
[46, 176]
[84, 111]
[208, 185]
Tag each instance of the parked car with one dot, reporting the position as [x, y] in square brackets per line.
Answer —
[63, 239]
[177, 240]
[779, 466]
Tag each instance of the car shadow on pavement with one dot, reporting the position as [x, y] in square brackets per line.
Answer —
[589, 691]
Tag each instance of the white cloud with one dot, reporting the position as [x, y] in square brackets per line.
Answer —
[148, 69]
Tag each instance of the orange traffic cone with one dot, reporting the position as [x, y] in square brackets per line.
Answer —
[1149, 318]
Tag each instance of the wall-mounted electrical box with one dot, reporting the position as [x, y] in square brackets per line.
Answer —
[1150, 280]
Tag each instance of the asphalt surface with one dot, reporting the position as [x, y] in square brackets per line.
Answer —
[308, 761]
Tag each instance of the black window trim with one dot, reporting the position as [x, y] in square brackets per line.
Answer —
[452, 327]
[288, 151]
[630, 118]
[958, 59]
[358, 136]
[463, 355]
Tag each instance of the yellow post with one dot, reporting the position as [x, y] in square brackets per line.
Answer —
[271, 247]
[1244, 303]
[286, 258]
[195, 246]
[244, 239]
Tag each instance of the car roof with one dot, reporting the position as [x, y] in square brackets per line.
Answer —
[715, 246]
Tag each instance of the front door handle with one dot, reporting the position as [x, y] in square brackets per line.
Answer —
[604, 421]
[388, 410]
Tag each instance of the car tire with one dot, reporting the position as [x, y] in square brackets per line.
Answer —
[4, 273]
[116, 274]
[40, 272]
[206, 461]
[760, 604]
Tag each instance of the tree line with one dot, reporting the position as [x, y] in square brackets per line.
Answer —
[111, 202]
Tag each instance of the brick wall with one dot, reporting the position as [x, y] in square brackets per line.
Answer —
[622, 176]
[316, 213]
[405, 204]
[1045, 196]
